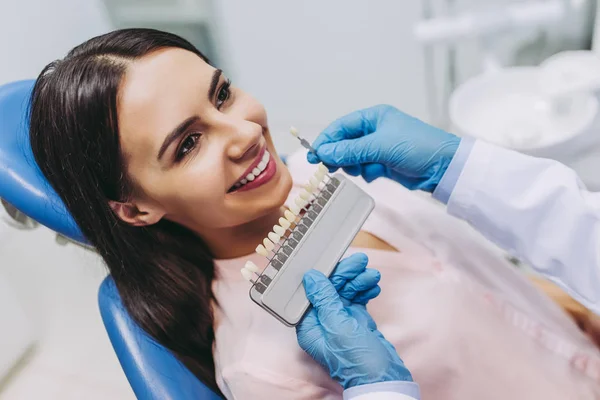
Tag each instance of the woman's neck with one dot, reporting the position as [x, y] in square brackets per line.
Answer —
[241, 240]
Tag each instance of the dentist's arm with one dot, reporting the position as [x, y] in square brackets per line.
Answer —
[341, 336]
[536, 209]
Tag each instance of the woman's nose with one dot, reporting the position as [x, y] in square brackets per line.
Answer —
[244, 139]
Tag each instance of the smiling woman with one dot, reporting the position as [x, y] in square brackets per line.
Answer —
[148, 145]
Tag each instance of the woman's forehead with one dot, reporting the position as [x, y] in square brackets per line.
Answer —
[158, 92]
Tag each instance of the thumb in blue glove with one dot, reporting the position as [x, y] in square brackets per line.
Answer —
[344, 338]
[382, 141]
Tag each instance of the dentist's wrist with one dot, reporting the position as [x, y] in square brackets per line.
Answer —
[403, 390]
[448, 179]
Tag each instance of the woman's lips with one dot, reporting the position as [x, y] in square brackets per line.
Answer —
[257, 161]
[263, 178]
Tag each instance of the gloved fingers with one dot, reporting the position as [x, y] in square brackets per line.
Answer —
[310, 336]
[362, 316]
[352, 170]
[363, 298]
[307, 328]
[308, 323]
[351, 152]
[365, 281]
[350, 126]
[326, 301]
[348, 269]
[372, 171]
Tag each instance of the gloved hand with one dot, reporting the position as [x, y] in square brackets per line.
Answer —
[354, 282]
[382, 141]
[343, 338]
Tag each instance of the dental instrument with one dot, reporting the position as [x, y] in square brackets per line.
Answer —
[314, 233]
[303, 142]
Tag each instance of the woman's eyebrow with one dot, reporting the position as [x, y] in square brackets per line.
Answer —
[176, 133]
[213, 84]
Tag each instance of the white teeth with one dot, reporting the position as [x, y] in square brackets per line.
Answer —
[305, 195]
[314, 182]
[268, 244]
[262, 165]
[284, 222]
[250, 266]
[295, 210]
[289, 215]
[300, 202]
[279, 230]
[323, 168]
[275, 238]
[260, 249]
[247, 274]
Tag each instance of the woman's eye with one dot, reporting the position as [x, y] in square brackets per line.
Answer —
[223, 94]
[188, 144]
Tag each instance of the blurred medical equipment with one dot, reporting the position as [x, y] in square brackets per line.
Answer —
[550, 110]
[152, 371]
[315, 233]
[467, 37]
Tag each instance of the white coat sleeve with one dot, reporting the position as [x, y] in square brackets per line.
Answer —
[536, 209]
[395, 390]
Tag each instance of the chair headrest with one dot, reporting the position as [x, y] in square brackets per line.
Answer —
[21, 182]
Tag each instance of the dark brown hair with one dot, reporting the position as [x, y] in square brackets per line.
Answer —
[163, 272]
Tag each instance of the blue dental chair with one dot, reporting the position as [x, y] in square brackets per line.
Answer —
[153, 372]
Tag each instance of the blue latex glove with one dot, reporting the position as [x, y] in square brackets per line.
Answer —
[354, 282]
[382, 141]
[343, 338]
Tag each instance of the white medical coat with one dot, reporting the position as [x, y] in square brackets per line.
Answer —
[536, 209]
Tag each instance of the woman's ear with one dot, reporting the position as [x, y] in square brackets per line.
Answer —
[136, 215]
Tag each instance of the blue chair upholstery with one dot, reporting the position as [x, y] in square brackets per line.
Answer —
[153, 372]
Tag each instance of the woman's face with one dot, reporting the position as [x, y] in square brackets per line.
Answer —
[198, 150]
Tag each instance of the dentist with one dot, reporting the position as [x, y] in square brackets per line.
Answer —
[536, 209]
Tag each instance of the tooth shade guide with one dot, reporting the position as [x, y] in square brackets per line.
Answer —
[284, 222]
[250, 266]
[268, 244]
[273, 237]
[247, 274]
[314, 239]
[279, 230]
[294, 210]
[260, 249]
[300, 202]
[305, 195]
